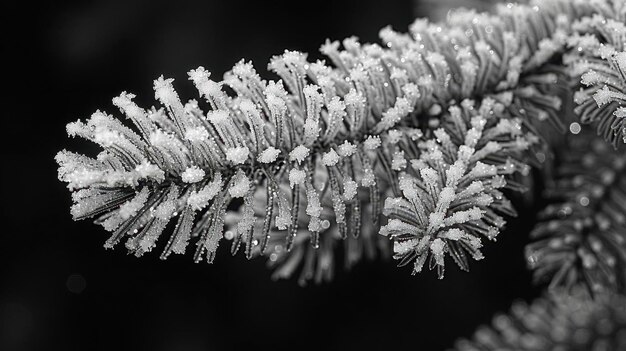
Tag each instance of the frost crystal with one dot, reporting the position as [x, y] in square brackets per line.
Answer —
[237, 155]
[296, 177]
[131, 207]
[299, 153]
[197, 200]
[346, 149]
[330, 158]
[192, 175]
[164, 92]
[371, 143]
[148, 170]
[197, 134]
[269, 155]
[241, 185]
[349, 189]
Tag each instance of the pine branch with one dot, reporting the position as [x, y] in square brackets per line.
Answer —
[559, 321]
[315, 261]
[598, 59]
[582, 236]
[329, 140]
[451, 193]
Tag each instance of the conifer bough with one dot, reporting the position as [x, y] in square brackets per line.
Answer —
[560, 321]
[580, 240]
[421, 134]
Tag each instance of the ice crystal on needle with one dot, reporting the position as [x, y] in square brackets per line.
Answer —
[309, 253]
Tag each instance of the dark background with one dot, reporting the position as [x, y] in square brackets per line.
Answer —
[59, 289]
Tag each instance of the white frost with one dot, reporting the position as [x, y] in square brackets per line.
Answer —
[237, 155]
[192, 174]
[299, 153]
[241, 185]
[296, 176]
[269, 155]
[331, 158]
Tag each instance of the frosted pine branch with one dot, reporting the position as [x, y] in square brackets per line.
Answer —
[598, 59]
[312, 262]
[328, 139]
[451, 193]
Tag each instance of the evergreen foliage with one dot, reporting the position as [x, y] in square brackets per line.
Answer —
[581, 237]
[416, 140]
[560, 321]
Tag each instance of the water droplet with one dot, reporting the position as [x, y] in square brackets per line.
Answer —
[584, 201]
[574, 128]
[325, 224]
[565, 211]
